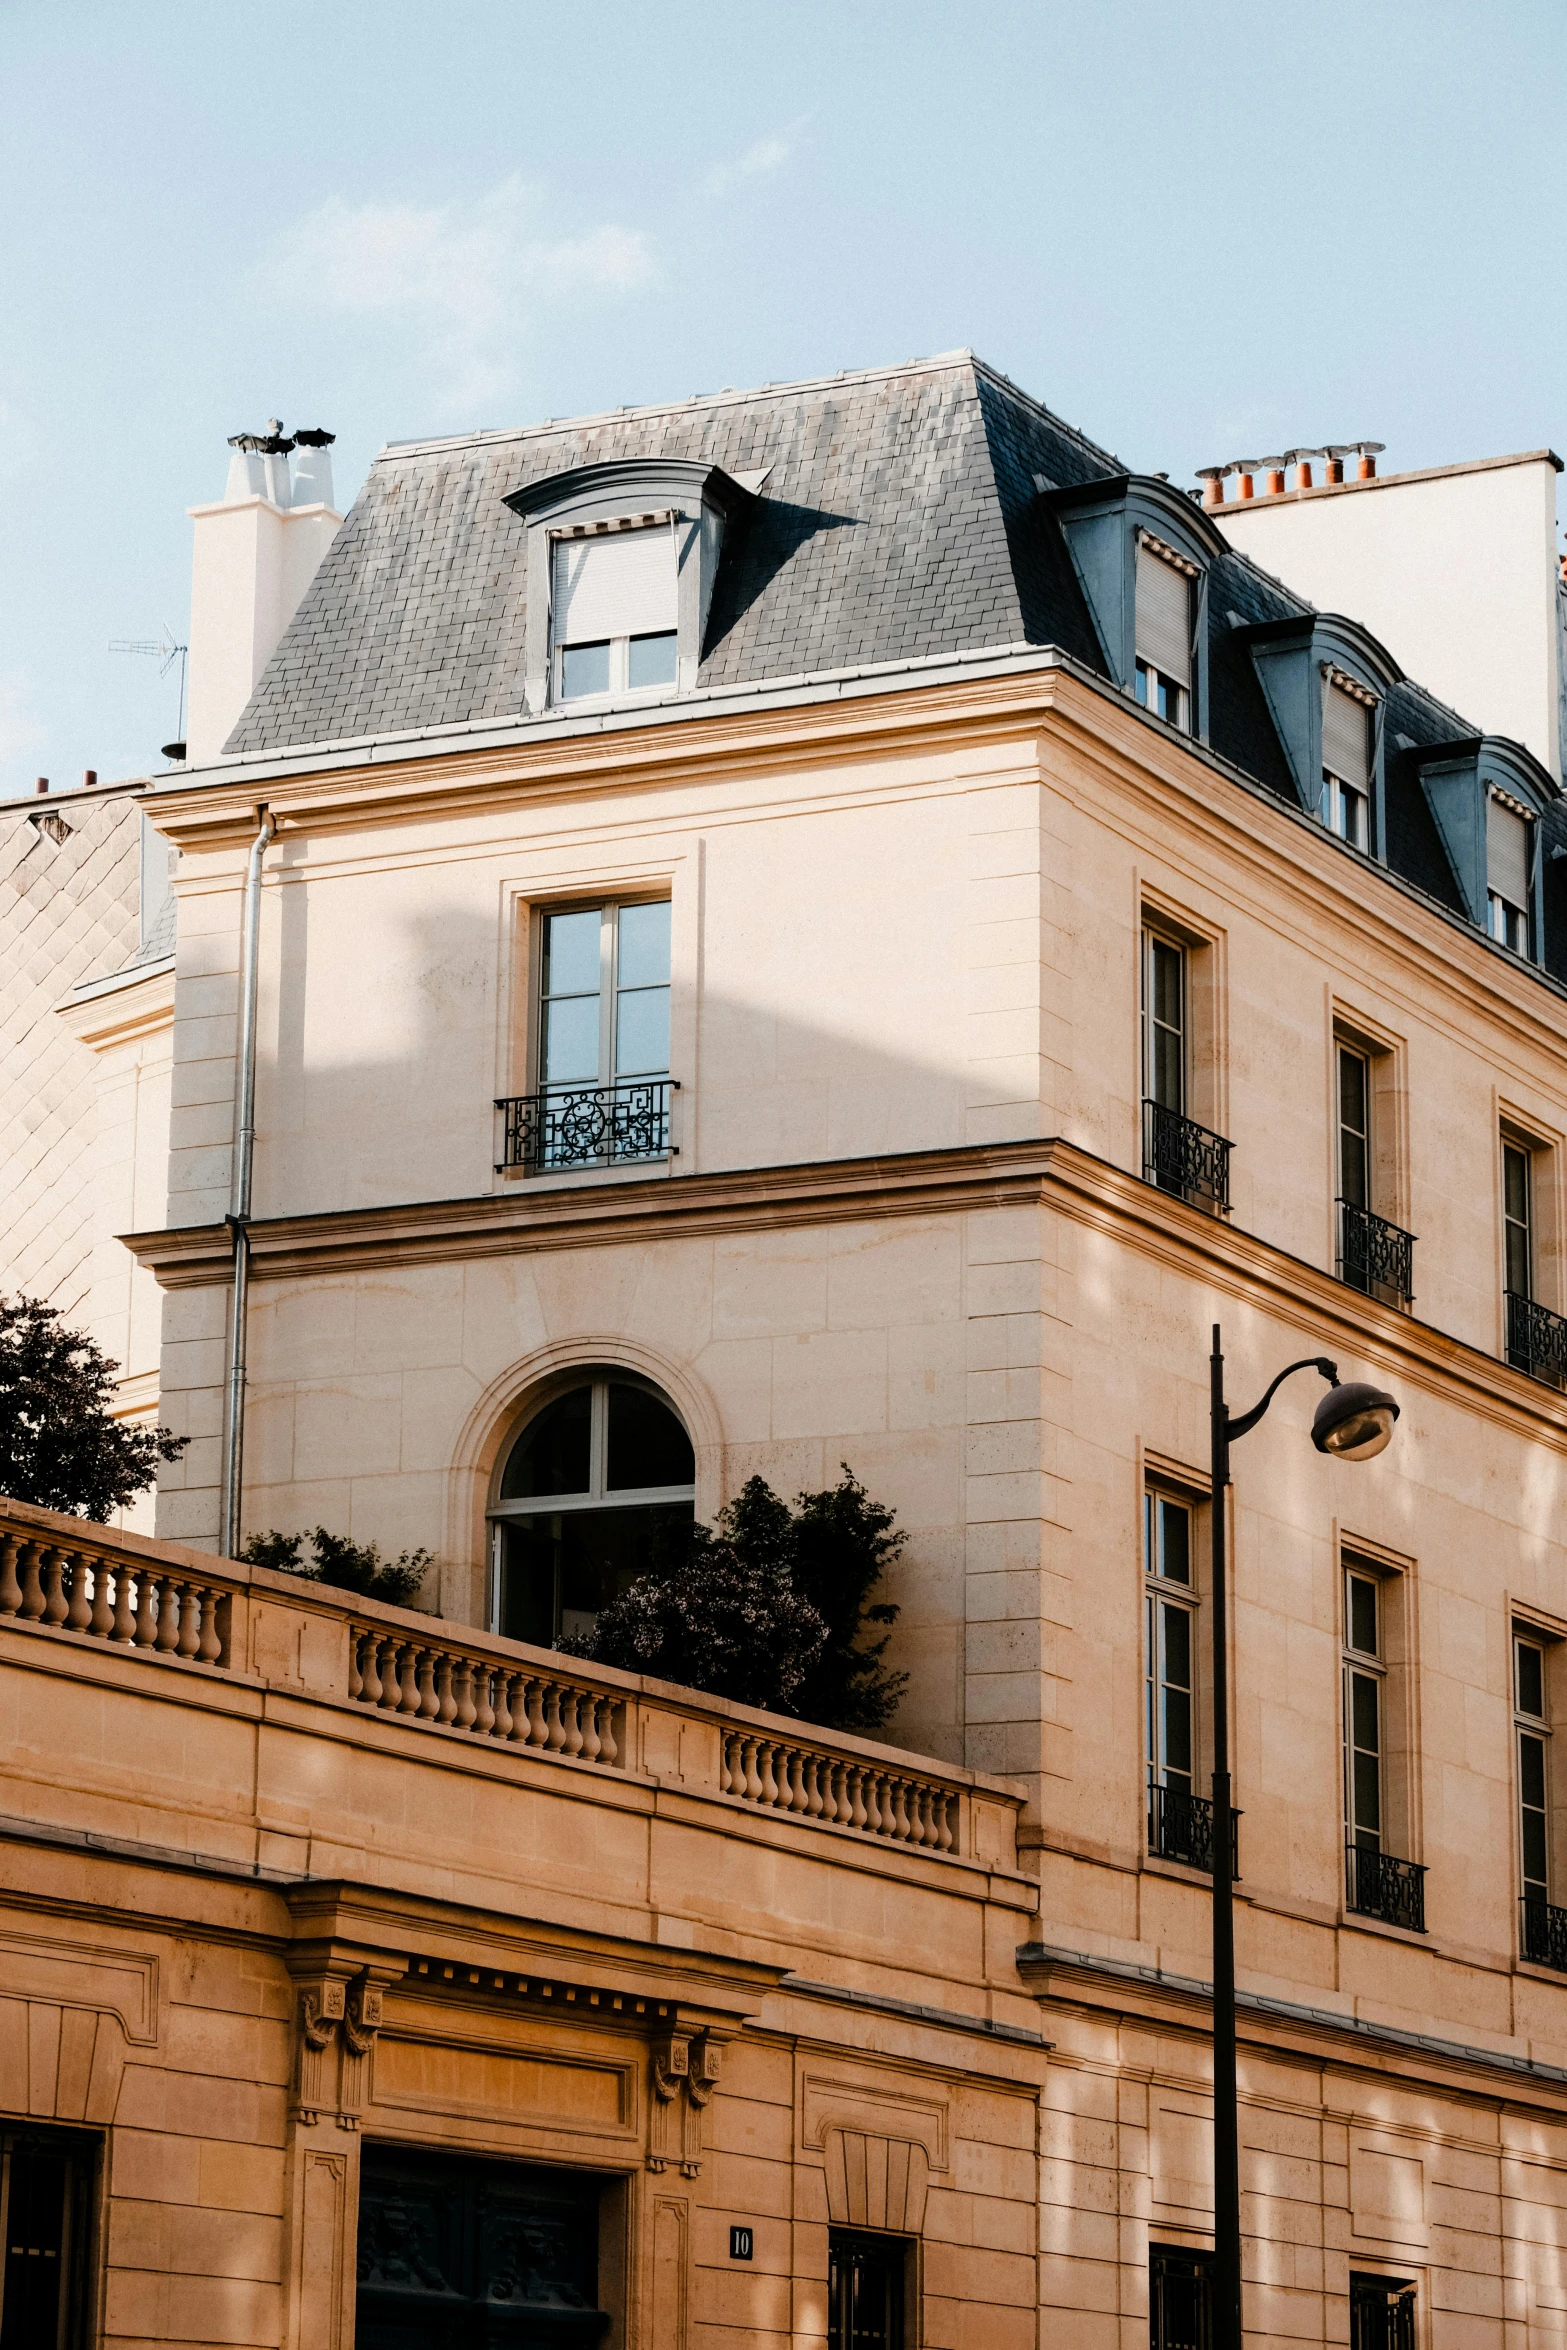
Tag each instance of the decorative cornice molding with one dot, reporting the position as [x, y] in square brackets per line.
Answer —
[1047, 1172]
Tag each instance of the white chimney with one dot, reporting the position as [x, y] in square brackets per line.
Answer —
[254, 555]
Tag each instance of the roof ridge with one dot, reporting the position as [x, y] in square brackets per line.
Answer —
[732, 395]
[1074, 432]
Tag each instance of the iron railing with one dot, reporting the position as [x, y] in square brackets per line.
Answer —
[1379, 1886]
[1375, 1256]
[1544, 1938]
[587, 1126]
[1180, 1827]
[1536, 1339]
[1381, 2313]
[1183, 1157]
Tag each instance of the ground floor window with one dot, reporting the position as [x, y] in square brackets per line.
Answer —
[45, 2225]
[1381, 2312]
[455, 2253]
[1180, 2298]
[865, 2291]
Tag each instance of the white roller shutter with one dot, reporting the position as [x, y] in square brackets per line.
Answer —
[1507, 853]
[1164, 616]
[1346, 737]
[620, 584]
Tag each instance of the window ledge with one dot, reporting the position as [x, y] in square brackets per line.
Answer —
[571, 1178]
[1353, 1921]
[1181, 1872]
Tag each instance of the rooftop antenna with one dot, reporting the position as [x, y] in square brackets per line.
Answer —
[165, 650]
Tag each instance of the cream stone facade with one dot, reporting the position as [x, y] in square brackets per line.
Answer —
[910, 1218]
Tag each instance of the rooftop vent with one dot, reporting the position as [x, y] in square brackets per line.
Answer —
[1273, 469]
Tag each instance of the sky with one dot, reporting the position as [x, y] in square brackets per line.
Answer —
[1197, 229]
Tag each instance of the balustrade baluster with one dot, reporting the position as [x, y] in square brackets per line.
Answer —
[429, 1703]
[32, 1606]
[10, 1584]
[855, 1789]
[538, 1730]
[356, 1670]
[729, 1752]
[55, 1605]
[766, 1753]
[446, 1703]
[900, 1810]
[571, 1722]
[370, 1689]
[123, 1628]
[79, 1615]
[209, 1647]
[503, 1684]
[190, 1613]
[609, 1733]
[554, 1727]
[484, 1709]
[587, 1714]
[410, 1698]
[753, 1777]
[146, 1632]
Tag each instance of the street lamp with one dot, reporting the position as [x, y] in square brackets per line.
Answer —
[1353, 1422]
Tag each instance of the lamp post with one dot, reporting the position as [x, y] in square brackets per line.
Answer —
[1352, 1423]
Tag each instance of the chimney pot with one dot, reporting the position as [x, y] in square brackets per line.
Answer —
[43, 783]
[1366, 470]
[1212, 479]
[89, 778]
[1335, 469]
[1303, 475]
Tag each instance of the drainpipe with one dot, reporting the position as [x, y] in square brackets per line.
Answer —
[238, 1217]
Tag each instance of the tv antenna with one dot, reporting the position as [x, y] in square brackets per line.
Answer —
[165, 650]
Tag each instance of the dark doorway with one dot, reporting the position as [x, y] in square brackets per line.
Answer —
[865, 2291]
[460, 2254]
[45, 2210]
[1381, 2312]
[1180, 2298]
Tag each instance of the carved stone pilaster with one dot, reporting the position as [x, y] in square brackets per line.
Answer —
[685, 2072]
[321, 2009]
[361, 2022]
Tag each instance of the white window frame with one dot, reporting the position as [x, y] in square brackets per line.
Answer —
[609, 911]
[1159, 1592]
[1346, 811]
[1369, 1665]
[1537, 1727]
[619, 688]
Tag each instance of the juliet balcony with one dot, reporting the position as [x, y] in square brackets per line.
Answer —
[1374, 1256]
[1184, 1158]
[1378, 1886]
[1543, 1933]
[1180, 1828]
[1536, 1339]
[586, 1126]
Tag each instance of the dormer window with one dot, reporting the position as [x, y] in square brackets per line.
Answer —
[1164, 630]
[1509, 862]
[620, 564]
[614, 607]
[1347, 711]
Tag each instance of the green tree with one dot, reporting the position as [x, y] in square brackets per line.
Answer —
[345, 1565]
[769, 1607]
[61, 1448]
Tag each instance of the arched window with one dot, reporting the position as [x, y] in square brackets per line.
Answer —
[598, 1486]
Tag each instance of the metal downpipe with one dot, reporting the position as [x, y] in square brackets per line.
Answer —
[238, 1218]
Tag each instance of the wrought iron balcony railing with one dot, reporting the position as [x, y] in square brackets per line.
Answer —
[1544, 1937]
[1183, 1157]
[587, 1126]
[1375, 1256]
[1379, 1886]
[1536, 1339]
[1180, 1827]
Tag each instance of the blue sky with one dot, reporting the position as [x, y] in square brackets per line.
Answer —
[1197, 229]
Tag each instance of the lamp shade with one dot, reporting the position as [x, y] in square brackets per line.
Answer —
[1354, 1422]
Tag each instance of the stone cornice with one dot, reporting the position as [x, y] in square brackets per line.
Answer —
[1045, 1172]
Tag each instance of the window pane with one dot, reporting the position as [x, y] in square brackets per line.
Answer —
[644, 945]
[551, 1454]
[647, 1445]
[1368, 1796]
[1364, 1712]
[527, 1594]
[1175, 1542]
[571, 1041]
[1166, 984]
[1531, 1679]
[41, 2263]
[571, 953]
[602, 1551]
[1352, 1091]
[651, 660]
[1363, 1615]
[584, 669]
[1177, 1735]
[1177, 1647]
[1531, 1771]
[1515, 1180]
[642, 1032]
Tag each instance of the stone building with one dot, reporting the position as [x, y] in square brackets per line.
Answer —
[828, 924]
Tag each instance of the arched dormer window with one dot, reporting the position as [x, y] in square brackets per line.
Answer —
[1488, 796]
[595, 1489]
[621, 562]
[1141, 552]
[1325, 680]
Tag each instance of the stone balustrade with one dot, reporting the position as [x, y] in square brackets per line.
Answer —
[85, 1585]
[282, 1638]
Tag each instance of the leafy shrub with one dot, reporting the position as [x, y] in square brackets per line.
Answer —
[347, 1566]
[769, 1608]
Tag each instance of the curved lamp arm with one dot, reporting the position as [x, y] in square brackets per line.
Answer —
[1240, 1423]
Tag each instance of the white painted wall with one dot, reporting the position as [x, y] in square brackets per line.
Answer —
[1454, 569]
[251, 564]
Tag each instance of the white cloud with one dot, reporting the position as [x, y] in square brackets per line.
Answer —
[465, 279]
[765, 156]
